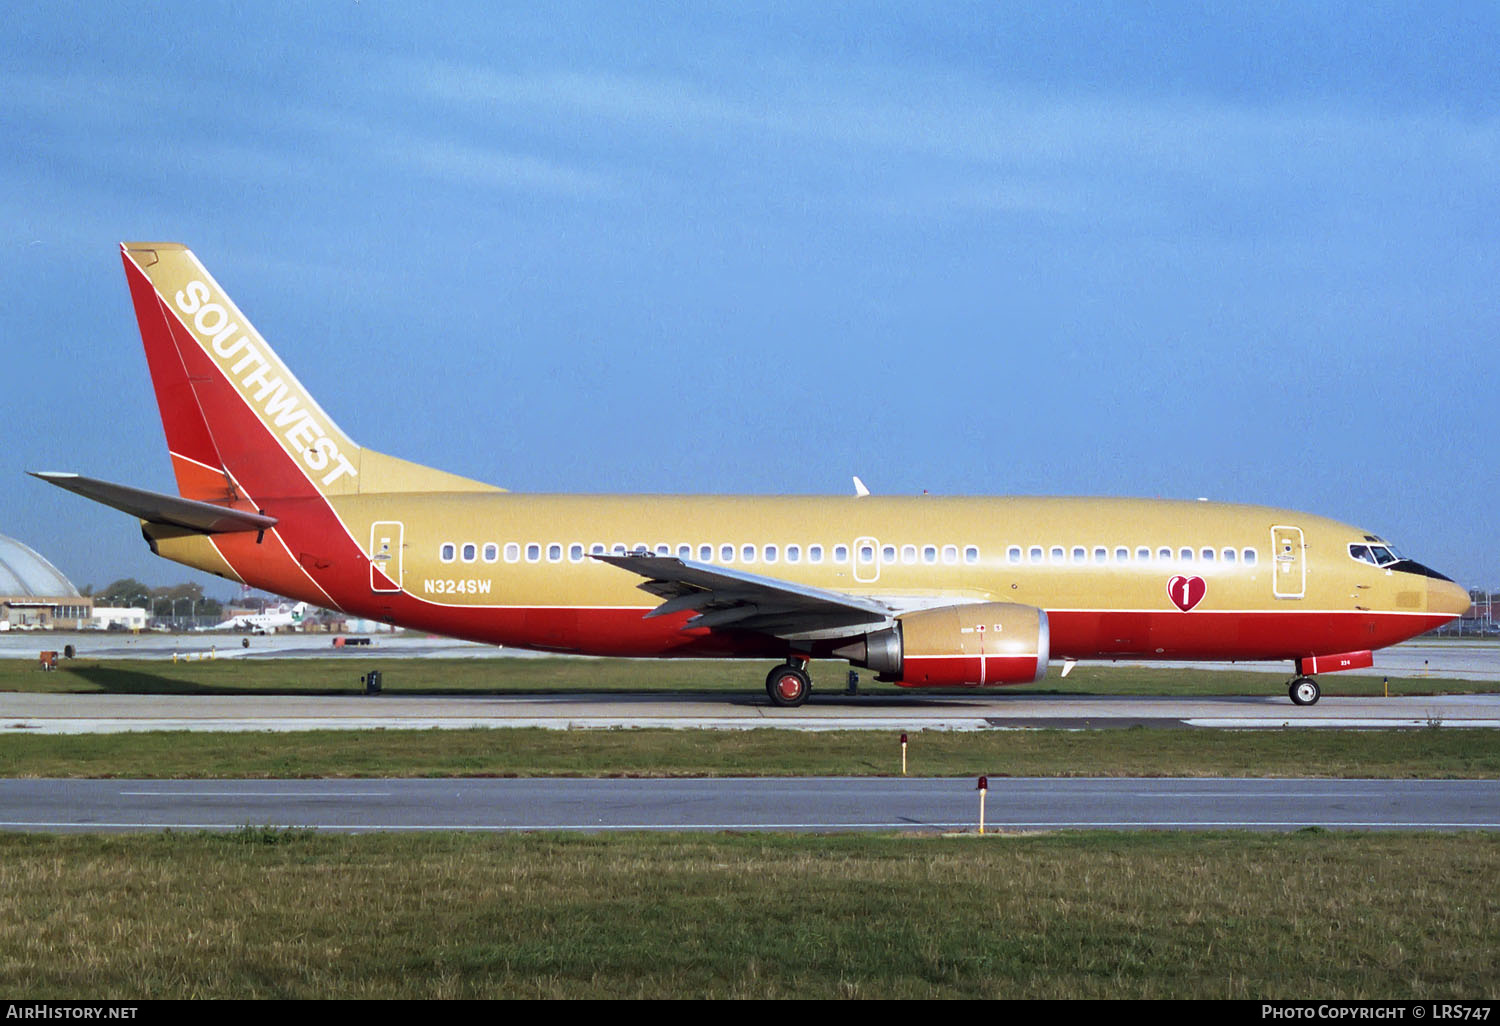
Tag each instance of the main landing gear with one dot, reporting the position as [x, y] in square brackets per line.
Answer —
[1304, 691]
[788, 684]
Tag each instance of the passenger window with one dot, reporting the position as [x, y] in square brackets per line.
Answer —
[971, 554]
[950, 554]
[1208, 555]
[619, 549]
[663, 549]
[1249, 557]
[1164, 555]
[867, 553]
[491, 552]
[1143, 555]
[908, 554]
[1101, 555]
[726, 553]
[771, 553]
[1036, 553]
[747, 553]
[684, 552]
[929, 553]
[575, 553]
[888, 553]
[1059, 554]
[1122, 554]
[1230, 555]
[1080, 554]
[1186, 555]
[533, 552]
[841, 553]
[794, 553]
[705, 553]
[554, 553]
[448, 552]
[471, 552]
[815, 553]
[597, 549]
[1012, 554]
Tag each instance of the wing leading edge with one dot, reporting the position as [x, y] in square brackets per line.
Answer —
[731, 599]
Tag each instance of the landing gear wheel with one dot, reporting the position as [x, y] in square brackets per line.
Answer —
[1304, 691]
[788, 686]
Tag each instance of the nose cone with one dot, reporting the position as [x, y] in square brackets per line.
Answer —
[1446, 598]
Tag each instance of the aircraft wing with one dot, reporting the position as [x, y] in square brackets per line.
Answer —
[733, 599]
[157, 508]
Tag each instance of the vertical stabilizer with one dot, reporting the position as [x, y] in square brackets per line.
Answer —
[239, 424]
[228, 399]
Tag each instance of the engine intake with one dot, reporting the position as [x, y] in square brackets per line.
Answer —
[956, 646]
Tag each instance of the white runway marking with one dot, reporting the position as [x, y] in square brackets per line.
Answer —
[991, 824]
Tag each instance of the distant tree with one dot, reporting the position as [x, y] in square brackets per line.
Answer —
[125, 592]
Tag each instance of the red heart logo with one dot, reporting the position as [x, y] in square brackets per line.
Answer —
[1186, 592]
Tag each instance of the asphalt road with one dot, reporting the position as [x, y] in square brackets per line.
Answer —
[980, 710]
[1464, 660]
[799, 804]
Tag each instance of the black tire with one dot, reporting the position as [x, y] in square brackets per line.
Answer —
[788, 686]
[1304, 691]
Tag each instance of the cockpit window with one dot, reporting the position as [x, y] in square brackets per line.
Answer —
[1375, 555]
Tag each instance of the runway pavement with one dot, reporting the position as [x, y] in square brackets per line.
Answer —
[799, 804]
[102, 714]
[979, 710]
[1467, 660]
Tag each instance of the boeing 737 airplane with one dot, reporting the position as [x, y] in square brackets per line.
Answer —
[925, 591]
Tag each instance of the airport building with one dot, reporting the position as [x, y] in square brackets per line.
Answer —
[34, 594]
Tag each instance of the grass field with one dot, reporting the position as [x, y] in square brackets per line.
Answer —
[267, 914]
[1430, 753]
[499, 676]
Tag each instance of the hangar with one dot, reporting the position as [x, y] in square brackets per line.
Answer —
[34, 594]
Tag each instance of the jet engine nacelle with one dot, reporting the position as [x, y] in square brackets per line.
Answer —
[966, 645]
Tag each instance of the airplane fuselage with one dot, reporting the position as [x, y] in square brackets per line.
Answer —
[1251, 582]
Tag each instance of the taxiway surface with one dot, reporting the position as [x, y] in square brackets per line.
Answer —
[795, 804]
[104, 714]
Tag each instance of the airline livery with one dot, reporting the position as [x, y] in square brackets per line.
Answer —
[925, 591]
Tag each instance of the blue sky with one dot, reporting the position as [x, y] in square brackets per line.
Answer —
[1097, 249]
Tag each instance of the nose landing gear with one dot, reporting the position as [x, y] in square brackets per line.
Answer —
[1304, 691]
[788, 684]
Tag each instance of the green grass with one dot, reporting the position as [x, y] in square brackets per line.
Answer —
[266, 914]
[1427, 753]
[341, 675]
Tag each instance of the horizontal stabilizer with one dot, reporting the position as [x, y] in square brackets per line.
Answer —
[155, 508]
